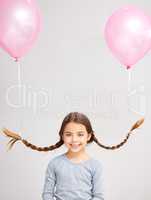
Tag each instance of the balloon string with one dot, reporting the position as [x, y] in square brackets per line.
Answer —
[19, 91]
[141, 100]
[129, 81]
[19, 73]
[130, 91]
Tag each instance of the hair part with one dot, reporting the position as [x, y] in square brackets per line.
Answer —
[71, 117]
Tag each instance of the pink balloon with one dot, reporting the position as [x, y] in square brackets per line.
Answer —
[128, 34]
[20, 23]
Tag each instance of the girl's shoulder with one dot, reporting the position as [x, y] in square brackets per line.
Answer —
[96, 163]
[55, 160]
[92, 163]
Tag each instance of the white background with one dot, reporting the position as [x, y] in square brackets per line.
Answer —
[69, 69]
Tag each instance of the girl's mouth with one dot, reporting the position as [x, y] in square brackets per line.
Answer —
[75, 145]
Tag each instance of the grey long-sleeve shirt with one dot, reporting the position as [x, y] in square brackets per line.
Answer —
[66, 180]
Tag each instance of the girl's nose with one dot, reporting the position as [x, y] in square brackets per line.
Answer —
[74, 139]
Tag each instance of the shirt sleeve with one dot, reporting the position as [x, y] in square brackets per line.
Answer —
[49, 184]
[97, 183]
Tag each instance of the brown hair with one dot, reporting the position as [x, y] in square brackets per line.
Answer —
[71, 117]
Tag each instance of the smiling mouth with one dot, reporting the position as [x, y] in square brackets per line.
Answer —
[75, 146]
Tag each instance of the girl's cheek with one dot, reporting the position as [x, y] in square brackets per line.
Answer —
[67, 140]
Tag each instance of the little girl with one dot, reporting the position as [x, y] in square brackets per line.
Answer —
[73, 175]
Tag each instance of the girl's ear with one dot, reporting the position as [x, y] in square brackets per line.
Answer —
[89, 136]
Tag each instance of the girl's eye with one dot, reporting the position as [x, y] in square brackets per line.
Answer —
[78, 135]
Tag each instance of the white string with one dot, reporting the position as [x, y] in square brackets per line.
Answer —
[19, 73]
[129, 81]
[19, 93]
[131, 92]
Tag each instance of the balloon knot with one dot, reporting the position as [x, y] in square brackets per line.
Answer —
[16, 59]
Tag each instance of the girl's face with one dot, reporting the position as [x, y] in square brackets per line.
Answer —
[75, 136]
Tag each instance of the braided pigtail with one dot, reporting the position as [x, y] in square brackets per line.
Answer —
[15, 137]
[135, 126]
[71, 117]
